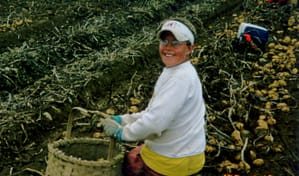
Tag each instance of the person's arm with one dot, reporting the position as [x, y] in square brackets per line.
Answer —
[130, 118]
[161, 111]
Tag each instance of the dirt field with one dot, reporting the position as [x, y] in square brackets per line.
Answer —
[98, 55]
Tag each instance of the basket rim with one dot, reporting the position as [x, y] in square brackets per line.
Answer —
[53, 149]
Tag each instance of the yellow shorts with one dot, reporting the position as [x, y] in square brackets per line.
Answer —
[172, 166]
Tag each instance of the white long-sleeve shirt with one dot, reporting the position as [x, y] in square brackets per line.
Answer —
[173, 123]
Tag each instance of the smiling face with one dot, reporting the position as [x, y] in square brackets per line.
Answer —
[173, 53]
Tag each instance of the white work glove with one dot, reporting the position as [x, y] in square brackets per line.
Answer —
[112, 128]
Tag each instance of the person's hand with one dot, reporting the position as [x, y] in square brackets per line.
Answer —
[117, 119]
[112, 128]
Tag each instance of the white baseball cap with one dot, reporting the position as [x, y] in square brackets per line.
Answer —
[180, 31]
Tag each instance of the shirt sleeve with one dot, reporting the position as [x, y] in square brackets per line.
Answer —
[130, 118]
[161, 111]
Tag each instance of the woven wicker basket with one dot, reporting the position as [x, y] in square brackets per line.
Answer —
[84, 157]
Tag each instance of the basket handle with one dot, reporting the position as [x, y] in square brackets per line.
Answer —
[87, 113]
[69, 125]
[84, 112]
